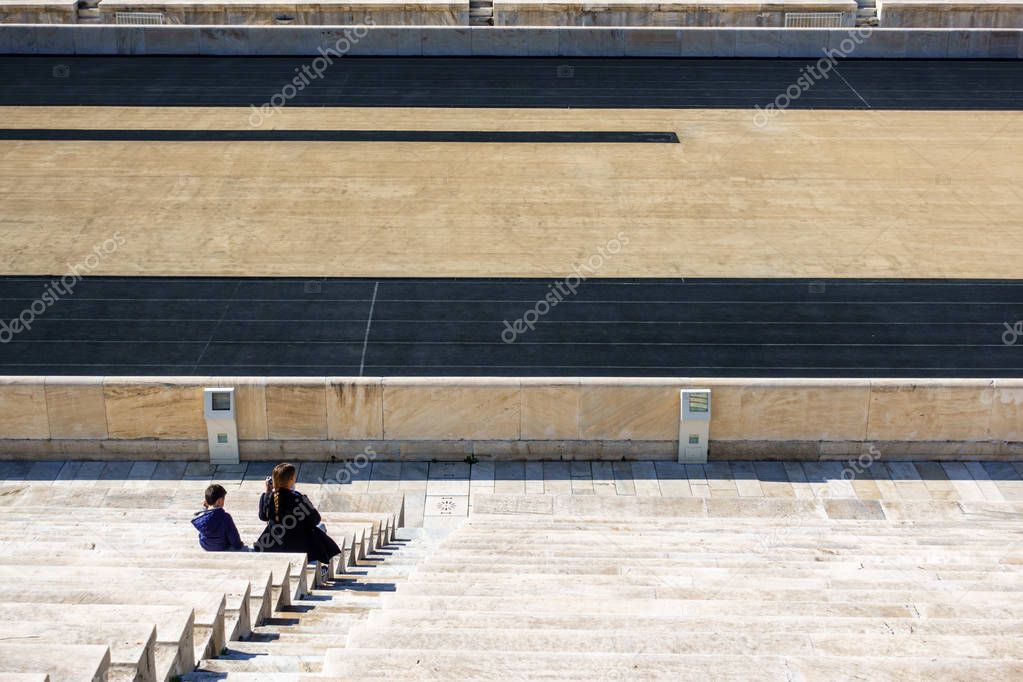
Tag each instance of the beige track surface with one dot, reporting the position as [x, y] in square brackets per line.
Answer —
[814, 193]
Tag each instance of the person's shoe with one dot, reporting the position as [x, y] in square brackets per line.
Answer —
[324, 573]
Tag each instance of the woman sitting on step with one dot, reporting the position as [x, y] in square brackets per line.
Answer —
[293, 524]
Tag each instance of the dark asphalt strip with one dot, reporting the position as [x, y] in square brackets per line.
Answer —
[506, 327]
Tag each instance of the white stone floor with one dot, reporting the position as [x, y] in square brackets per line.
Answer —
[438, 492]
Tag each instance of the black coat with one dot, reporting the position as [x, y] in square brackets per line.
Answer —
[292, 527]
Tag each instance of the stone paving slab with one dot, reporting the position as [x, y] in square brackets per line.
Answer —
[447, 489]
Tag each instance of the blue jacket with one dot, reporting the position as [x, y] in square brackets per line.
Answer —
[217, 532]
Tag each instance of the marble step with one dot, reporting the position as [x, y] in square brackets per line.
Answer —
[618, 547]
[513, 564]
[284, 625]
[324, 636]
[429, 664]
[245, 677]
[241, 610]
[972, 535]
[722, 591]
[750, 643]
[296, 647]
[988, 514]
[709, 578]
[175, 626]
[676, 622]
[240, 565]
[262, 664]
[212, 610]
[557, 605]
[767, 555]
[64, 662]
[131, 646]
[883, 530]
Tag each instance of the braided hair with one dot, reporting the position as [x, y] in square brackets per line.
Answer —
[281, 477]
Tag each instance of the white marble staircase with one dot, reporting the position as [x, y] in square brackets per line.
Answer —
[293, 643]
[812, 593]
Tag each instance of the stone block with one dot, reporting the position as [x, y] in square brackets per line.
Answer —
[854, 509]
[410, 41]
[284, 40]
[75, 407]
[379, 40]
[444, 451]
[550, 410]
[172, 40]
[591, 42]
[355, 408]
[809, 410]
[446, 505]
[930, 410]
[878, 43]
[652, 42]
[506, 41]
[759, 42]
[451, 410]
[1005, 44]
[531, 505]
[144, 407]
[629, 410]
[41, 39]
[446, 42]
[804, 43]
[706, 42]
[1007, 410]
[926, 44]
[224, 40]
[296, 408]
[104, 39]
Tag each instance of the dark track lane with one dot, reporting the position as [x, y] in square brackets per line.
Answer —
[742, 328]
[505, 82]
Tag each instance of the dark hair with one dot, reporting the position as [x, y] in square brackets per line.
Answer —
[279, 479]
[214, 493]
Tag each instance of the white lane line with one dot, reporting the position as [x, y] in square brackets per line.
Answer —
[369, 322]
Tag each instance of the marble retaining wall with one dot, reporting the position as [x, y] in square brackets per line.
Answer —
[427, 418]
[272, 12]
[676, 13]
[507, 41]
[43, 12]
[950, 13]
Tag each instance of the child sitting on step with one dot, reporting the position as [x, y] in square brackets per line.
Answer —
[217, 532]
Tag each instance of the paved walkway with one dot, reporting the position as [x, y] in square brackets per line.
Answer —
[439, 491]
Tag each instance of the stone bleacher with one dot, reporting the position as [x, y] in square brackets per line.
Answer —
[522, 13]
[710, 13]
[38, 11]
[275, 12]
[796, 591]
[108, 583]
[146, 604]
[950, 13]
